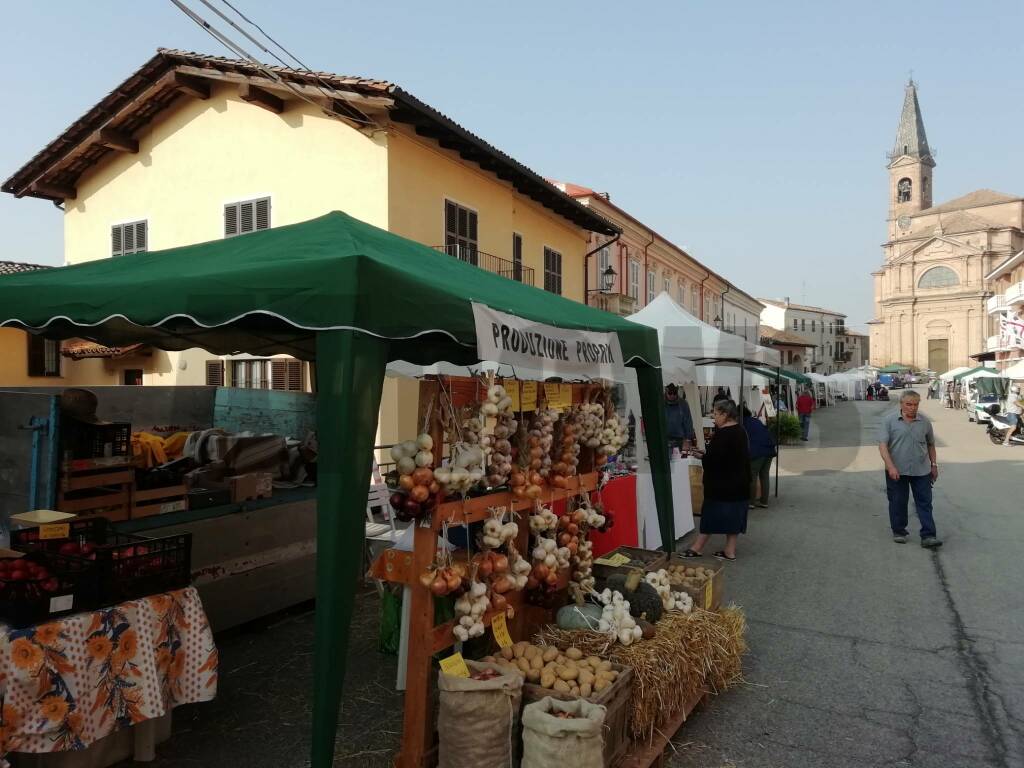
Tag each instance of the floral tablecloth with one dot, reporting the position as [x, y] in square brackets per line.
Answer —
[69, 683]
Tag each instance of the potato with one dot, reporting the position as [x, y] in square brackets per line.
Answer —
[547, 680]
[519, 648]
[550, 654]
[604, 666]
[586, 676]
[551, 665]
[507, 653]
[575, 691]
[537, 662]
[533, 675]
[530, 651]
[524, 665]
[586, 690]
[561, 686]
[594, 662]
[600, 684]
[568, 673]
[574, 654]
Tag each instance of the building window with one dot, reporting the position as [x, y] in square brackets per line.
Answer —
[634, 279]
[132, 377]
[903, 188]
[938, 277]
[650, 286]
[250, 374]
[693, 300]
[795, 324]
[682, 293]
[286, 374]
[517, 257]
[460, 232]
[803, 324]
[128, 238]
[813, 328]
[666, 285]
[215, 373]
[246, 216]
[552, 271]
[604, 260]
[43, 356]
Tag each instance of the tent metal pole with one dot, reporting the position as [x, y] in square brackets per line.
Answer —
[778, 426]
[350, 378]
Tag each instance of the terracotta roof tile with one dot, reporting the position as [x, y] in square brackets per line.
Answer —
[79, 349]
[800, 307]
[778, 336]
[14, 267]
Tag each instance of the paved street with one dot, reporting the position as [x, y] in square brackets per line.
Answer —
[864, 652]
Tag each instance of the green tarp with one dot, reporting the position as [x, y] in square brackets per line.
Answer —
[352, 297]
[895, 368]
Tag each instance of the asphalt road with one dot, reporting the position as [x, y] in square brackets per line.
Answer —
[865, 652]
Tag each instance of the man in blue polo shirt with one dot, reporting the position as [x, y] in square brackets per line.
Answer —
[907, 444]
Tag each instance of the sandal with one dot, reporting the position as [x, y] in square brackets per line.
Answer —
[720, 555]
[692, 553]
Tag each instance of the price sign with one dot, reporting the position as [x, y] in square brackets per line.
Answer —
[512, 390]
[500, 628]
[614, 560]
[528, 396]
[707, 594]
[54, 531]
[455, 666]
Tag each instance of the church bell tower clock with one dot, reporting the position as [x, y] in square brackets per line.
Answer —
[910, 167]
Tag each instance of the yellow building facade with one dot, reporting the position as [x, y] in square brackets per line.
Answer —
[218, 135]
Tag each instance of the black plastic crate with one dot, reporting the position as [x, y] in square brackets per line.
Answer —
[97, 531]
[156, 565]
[34, 598]
[88, 441]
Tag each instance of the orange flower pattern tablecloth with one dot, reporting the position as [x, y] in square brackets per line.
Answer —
[69, 683]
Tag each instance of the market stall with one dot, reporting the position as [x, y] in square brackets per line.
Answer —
[312, 290]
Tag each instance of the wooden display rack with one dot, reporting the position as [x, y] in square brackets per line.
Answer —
[425, 639]
[90, 486]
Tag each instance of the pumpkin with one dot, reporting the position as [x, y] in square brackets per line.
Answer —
[585, 616]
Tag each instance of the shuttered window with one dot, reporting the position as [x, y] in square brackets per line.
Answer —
[215, 373]
[650, 286]
[634, 279]
[43, 356]
[129, 238]
[517, 257]
[552, 271]
[246, 216]
[286, 374]
[460, 232]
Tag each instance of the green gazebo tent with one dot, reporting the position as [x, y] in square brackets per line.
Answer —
[350, 296]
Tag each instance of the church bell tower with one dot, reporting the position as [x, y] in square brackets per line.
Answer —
[910, 167]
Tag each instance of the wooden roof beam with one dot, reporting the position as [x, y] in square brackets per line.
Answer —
[191, 85]
[58, 191]
[115, 139]
[261, 98]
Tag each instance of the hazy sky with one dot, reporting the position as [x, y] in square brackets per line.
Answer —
[752, 133]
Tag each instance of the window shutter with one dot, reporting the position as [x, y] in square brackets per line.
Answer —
[245, 217]
[279, 374]
[451, 225]
[263, 213]
[231, 220]
[128, 238]
[295, 375]
[140, 236]
[36, 355]
[116, 246]
[215, 373]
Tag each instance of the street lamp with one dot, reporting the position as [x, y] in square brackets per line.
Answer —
[607, 281]
[718, 322]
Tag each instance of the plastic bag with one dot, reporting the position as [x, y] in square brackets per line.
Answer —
[576, 742]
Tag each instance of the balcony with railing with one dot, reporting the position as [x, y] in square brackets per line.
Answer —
[996, 304]
[617, 303]
[489, 262]
[1015, 294]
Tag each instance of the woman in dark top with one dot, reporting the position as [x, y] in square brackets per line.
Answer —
[726, 483]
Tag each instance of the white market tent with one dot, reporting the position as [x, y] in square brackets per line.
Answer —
[850, 384]
[986, 373]
[953, 372]
[1015, 371]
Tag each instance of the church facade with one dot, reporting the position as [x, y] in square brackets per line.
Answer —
[932, 288]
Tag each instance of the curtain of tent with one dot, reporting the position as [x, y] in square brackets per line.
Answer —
[652, 398]
[350, 377]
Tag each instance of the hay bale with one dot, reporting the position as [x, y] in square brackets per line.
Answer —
[689, 653]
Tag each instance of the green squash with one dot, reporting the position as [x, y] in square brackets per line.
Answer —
[574, 616]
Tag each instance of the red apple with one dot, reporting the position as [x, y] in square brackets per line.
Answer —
[18, 575]
[51, 585]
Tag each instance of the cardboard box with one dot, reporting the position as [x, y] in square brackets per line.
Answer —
[253, 485]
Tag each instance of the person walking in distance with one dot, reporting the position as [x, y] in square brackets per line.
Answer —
[805, 407]
[906, 442]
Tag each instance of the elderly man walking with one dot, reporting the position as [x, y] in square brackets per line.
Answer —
[907, 444]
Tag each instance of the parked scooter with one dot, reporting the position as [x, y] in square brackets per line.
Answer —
[998, 427]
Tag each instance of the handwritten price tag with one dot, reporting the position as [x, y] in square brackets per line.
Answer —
[614, 560]
[54, 531]
[455, 666]
[708, 589]
[528, 396]
[500, 628]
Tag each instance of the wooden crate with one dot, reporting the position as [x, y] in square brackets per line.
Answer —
[652, 754]
[615, 699]
[652, 560]
[708, 597]
[159, 501]
[96, 487]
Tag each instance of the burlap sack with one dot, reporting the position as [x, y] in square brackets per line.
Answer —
[553, 742]
[476, 719]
